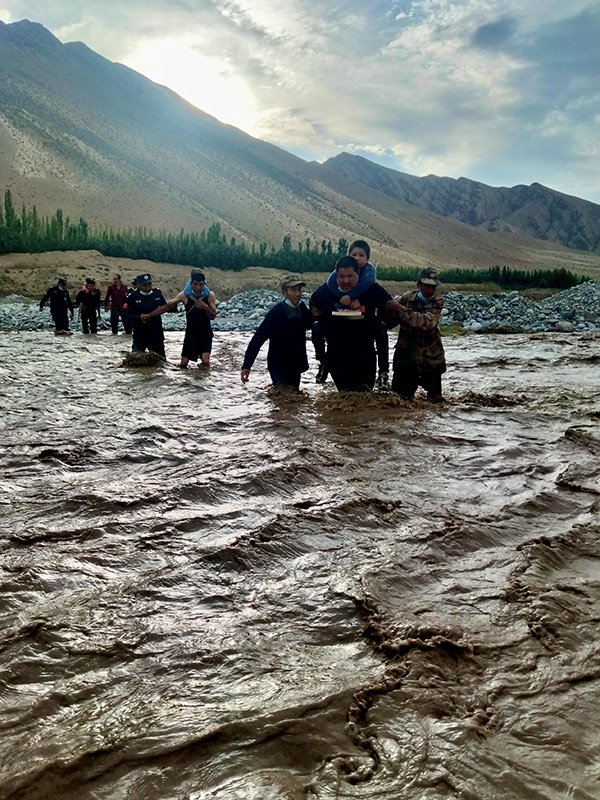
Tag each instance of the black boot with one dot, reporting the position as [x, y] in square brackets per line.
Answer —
[322, 374]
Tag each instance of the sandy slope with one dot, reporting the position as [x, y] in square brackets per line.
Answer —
[29, 274]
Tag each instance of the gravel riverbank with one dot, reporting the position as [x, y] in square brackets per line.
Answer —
[576, 309]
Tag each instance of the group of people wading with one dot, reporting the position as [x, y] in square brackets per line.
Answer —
[348, 315]
[88, 304]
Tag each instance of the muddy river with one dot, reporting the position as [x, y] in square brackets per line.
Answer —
[212, 591]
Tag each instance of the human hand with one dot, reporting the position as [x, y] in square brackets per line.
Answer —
[393, 305]
[355, 305]
[245, 376]
[346, 300]
[144, 317]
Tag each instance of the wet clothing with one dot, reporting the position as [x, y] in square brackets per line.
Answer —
[61, 306]
[198, 331]
[419, 354]
[89, 302]
[146, 335]
[287, 379]
[351, 341]
[367, 277]
[115, 316]
[286, 332]
[407, 380]
[382, 346]
[115, 296]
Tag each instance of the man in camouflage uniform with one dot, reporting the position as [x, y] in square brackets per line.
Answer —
[419, 354]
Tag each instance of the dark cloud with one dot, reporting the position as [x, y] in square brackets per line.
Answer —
[562, 68]
[494, 34]
[570, 47]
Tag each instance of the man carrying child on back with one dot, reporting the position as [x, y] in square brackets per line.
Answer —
[350, 333]
[367, 276]
[200, 310]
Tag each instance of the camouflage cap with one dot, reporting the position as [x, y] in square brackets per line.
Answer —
[430, 276]
[289, 281]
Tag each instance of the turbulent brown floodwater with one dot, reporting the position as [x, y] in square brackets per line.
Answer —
[212, 592]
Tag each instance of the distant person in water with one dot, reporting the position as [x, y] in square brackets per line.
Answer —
[113, 301]
[361, 251]
[61, 305]
[350, 333]
[285, 327]
[138, 305]
[419, 354]
[200, 310]
[88, 305]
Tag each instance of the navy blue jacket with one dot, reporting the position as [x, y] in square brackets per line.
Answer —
[59, 298]
[287, 339]
[135, 304]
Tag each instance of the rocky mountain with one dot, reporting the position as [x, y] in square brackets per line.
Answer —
[536, 210]
[98, 140]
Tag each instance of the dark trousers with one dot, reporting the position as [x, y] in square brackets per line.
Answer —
[381, 345]
[356, 380]
[61, 319]
[279, 379]
[89, 321]
[407, 379]
[382, 348]
[353, 371]
[318, 340]
[114, 322]
[143, 340]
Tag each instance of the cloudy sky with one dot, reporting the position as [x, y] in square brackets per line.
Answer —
[502, 92]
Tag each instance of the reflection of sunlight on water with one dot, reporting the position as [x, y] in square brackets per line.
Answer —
[204, 580]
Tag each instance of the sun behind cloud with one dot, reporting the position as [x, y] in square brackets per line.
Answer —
[205, 82]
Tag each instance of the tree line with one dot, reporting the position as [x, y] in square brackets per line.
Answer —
[27, 232]
[504, 277]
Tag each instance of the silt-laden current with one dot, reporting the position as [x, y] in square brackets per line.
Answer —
[212, 591]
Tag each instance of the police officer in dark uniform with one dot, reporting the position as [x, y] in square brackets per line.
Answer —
[60, 305]
[147, 333]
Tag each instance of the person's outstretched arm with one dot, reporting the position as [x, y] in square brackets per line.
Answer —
[261, 335]
[170, 306]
